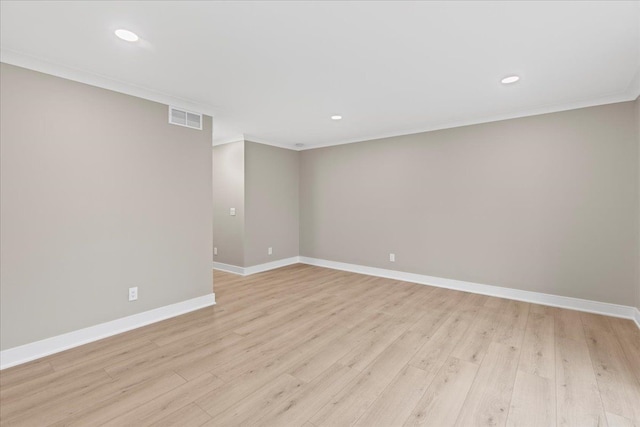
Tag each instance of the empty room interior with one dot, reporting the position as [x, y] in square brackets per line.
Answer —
[320, 213]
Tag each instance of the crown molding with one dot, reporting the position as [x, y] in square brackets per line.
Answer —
[26, 61]
[97, 80]
[237, 138]
[250, 138]
[630, 94]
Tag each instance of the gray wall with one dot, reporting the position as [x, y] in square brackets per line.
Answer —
[546, 203]
[228, 192]
[98, 193]
[637, 115]
[271, 195]
[261, 182]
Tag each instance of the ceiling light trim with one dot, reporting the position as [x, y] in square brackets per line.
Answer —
[126, 35]
[510, 79]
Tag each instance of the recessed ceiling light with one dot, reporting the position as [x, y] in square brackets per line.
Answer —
[510, 79]
[336, 117]
[127, 35]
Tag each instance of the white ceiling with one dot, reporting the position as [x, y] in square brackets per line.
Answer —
[276, 71]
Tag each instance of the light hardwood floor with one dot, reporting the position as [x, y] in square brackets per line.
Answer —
[307, 346]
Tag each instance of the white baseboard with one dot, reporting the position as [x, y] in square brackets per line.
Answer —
[228, 268]
[271, 265]
[35, 350]
[589, 306]
[246, 271]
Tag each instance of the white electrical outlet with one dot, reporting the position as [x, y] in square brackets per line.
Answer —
[133, 293]
[392, 257]
[270, 251]
[232, 211]
[215, 251]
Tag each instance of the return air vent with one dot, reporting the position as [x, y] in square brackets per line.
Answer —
[185, 118]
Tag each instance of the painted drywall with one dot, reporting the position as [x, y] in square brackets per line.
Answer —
[271, 203]
[98, 194]
[637, 117]
[545, 203]
[228, 192]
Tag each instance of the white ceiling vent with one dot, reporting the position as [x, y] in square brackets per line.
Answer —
[185, 118]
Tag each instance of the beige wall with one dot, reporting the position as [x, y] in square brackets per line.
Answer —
[261, 182]
[637, 116]
[545, 203]
[98, 193]
[228, 192]
[272, 211]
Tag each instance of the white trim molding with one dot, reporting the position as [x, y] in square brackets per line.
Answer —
[286, 146]
[247, 271]
[630, 94]
[229, 268]
[271, 265]
[32, 63]
[588, 306]
[35, 350]
[237, 138]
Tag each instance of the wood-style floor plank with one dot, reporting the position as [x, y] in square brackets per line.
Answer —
[618, 421]
[252, 408]
[52, 388]
[269, 369]
[188, 416]
[166, 404]
[353, 401]
[538, 348]
[577, 397]
[311, 397]
[514, 321]
[533, 402]
[478, 337]
[435, 351]
[629, 337]
[318, 362]
[489, 398]
[24, 373]
[619, 388]
[398, 400]
[443, 400]
[312, 347]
